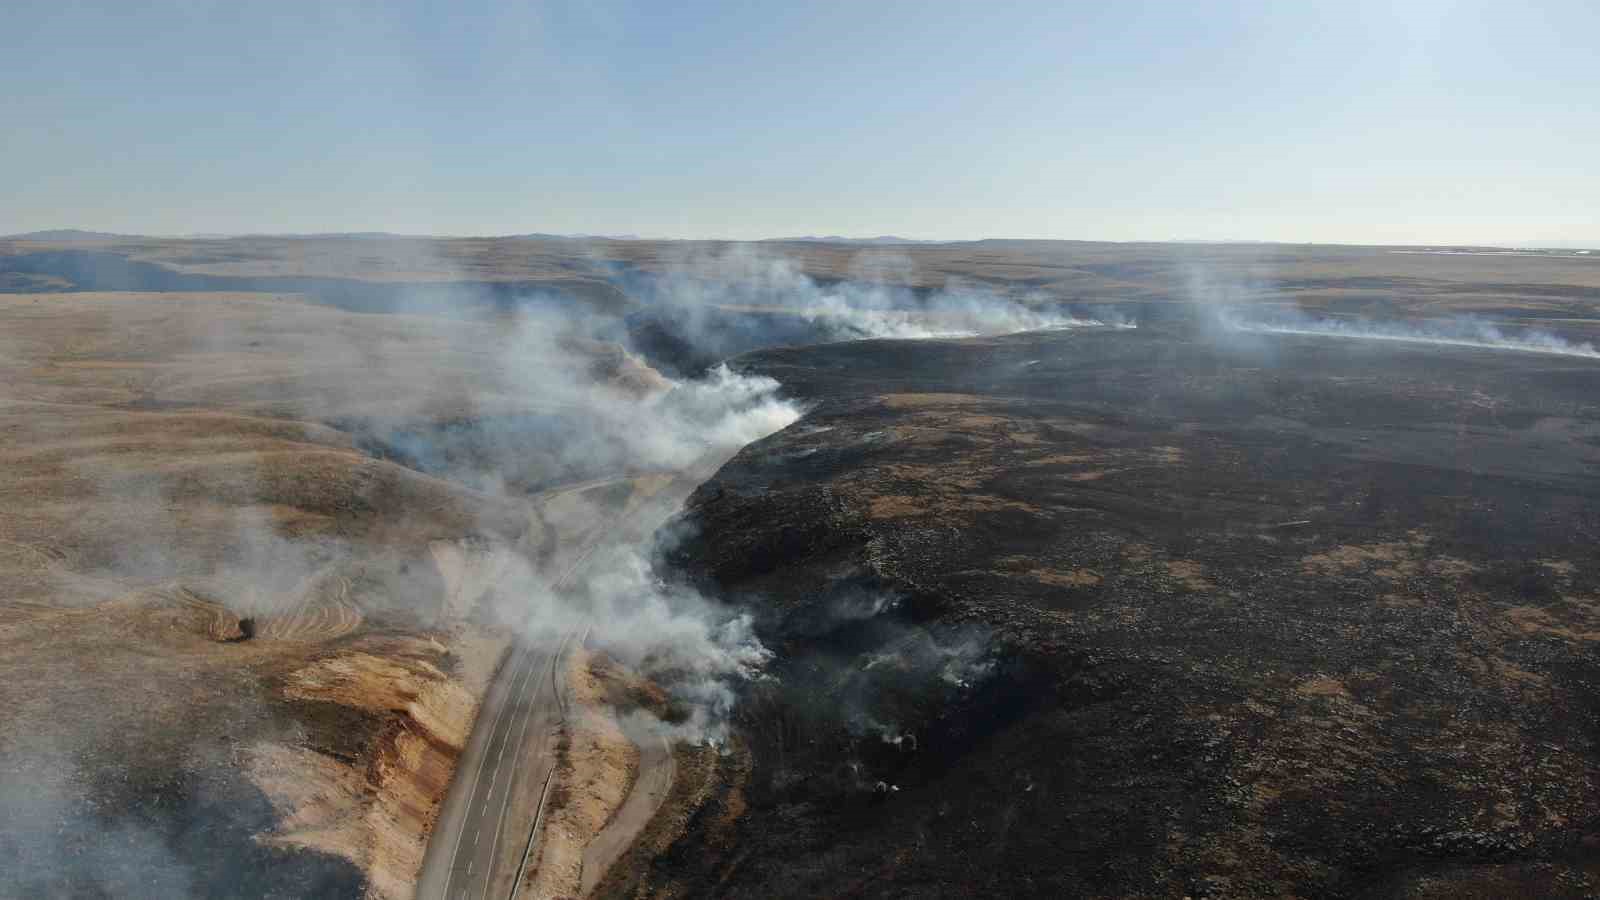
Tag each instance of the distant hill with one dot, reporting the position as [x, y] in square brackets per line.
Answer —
[580, 236]
[837, 239]
[65, 234]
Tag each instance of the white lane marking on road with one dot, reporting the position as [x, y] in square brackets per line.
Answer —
[455, 852]
[526, 712]
[538, 814]
[522, 736]
[528, 672]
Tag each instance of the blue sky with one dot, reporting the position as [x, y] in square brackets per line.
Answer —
[1353, 121]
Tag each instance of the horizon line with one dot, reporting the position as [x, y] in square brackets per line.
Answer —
[883, 240]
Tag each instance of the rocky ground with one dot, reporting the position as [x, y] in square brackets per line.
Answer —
[1158, 613]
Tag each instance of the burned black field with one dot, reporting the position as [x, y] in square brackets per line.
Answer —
[1161, 612]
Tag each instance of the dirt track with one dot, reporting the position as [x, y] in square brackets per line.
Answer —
[649, 790]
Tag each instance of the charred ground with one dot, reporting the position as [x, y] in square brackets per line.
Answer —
[1154, 613]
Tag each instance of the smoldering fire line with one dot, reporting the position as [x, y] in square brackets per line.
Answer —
[1454, 333]
[712, 306]
[1255, 306]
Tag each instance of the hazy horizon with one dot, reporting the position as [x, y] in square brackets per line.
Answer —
[894, 240]
[1367, 123]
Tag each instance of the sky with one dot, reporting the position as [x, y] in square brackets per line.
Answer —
[1354, 121]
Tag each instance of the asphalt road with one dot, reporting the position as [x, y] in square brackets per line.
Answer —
[522, 712]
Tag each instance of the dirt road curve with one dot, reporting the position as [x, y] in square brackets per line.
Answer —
[656, 770]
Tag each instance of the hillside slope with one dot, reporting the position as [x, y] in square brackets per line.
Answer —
[239, 653]
[1135, 613]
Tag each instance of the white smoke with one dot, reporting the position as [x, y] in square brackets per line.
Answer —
[872, 311]
[1461, 332]
[960, 660]
[720, 410]
[699, 649]
[125, 857]
[695, 646]
[1248, 303]
[871, 306]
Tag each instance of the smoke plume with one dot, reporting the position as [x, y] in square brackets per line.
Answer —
[1458, 332]
[744, 297]
[1247, 304]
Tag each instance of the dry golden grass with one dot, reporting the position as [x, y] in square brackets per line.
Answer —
[595, 775]
[193, 560]
[246, 353]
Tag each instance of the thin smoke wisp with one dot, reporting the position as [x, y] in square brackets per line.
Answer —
[1452, 333]
[1237, 306]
